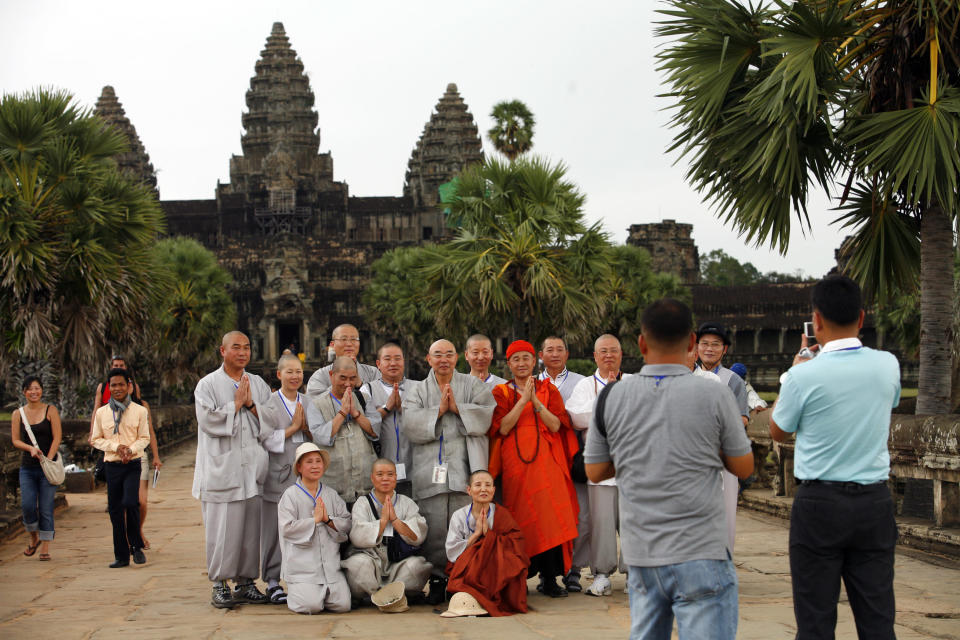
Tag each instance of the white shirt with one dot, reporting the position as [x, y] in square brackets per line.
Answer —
[580, 407]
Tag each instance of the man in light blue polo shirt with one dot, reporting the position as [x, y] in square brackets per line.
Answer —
[667, 435]
[842, 523]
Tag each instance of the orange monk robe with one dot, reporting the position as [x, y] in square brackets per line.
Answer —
[535, 465]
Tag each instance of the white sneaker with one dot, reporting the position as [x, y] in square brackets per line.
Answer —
[601, 586]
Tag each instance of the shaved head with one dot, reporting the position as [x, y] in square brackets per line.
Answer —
[341, 328]
[232, 336]
[479, 339]
[442, 345]
[287, 359]
[343, 363]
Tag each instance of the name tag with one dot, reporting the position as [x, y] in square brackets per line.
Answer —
[440, 473]
[401, 471]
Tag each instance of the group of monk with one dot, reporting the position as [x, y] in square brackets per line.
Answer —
[369, 487]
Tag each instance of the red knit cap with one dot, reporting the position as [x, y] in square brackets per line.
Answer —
[520, 345]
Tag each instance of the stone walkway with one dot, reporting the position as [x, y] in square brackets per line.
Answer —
[77, 596]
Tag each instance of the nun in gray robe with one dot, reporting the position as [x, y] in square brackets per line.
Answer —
[367, 567]
[229, 473]
[458, 441]
[311, 551]
[275, 419]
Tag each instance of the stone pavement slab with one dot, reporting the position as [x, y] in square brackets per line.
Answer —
[76, 596]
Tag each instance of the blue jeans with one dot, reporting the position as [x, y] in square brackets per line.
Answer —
[36, 500]
[702, 594]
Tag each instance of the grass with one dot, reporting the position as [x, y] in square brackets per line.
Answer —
[5, 417]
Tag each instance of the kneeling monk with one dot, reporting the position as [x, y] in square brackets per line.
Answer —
[313, 521]
[486, 552]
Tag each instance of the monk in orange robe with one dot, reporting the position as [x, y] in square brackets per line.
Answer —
[532, 445]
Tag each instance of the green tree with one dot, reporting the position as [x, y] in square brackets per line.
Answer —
[722, 270]
[192, 314]
[773, 99]
[512, 132]
[523, 263]
[76, 270]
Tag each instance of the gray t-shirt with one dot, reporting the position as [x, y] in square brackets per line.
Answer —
[665, 431]
[737, 385]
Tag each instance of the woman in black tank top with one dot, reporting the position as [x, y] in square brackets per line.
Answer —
[36, 493]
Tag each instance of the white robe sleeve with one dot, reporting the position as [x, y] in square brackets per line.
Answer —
[215, 421]
[420, 420]
[457, 535]
[580, 405]
[410, 515]
[320, 429]
[371, 413]
[364, 528]
[337, 512]
[293, 528]
[477, 412]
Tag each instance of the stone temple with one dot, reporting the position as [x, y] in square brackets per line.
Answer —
[297, 243]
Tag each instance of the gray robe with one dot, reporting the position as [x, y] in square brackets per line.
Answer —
[367, 566]
[320, 380]
[351, 450]
[231, 464]
[274, 421]
[465, 446]
[394, 444]
[311, 551]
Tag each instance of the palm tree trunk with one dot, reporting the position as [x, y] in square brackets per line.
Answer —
[936, 308]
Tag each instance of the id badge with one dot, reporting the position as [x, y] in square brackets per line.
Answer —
[440, 473]
[401, 471]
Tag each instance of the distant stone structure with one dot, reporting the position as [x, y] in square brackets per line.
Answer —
[297, 244]
[670, 247]
[135, 163]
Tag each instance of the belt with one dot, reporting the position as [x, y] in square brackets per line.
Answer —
[843, 485]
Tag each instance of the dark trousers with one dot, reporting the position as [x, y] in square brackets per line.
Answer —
[123, 503]
[843, 531]
[549, 564]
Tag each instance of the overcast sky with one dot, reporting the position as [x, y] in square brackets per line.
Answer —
[586, 70]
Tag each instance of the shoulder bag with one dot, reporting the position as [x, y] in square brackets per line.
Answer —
[52, 469]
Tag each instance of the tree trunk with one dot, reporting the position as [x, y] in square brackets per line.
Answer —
[936, 310]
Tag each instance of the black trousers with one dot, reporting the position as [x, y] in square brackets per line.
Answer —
[843, 531]
[123, 503]
[549, 564]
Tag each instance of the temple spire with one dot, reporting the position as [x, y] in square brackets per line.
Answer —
[135, 163]
[450, 141]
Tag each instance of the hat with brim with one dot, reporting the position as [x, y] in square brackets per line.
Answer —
[308, 447]
[714, 328]
[464, 604]
[391, 598]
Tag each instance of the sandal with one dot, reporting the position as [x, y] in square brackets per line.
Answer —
[146, 544]
[31, 549]
[276, 595]
[44, 556]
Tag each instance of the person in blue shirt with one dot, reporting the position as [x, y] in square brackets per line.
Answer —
[842, 524]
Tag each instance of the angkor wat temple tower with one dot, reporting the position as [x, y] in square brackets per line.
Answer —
[450, 142]
[298, 246]
[135, 163]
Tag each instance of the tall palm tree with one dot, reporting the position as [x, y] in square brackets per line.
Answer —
[512, 132]
[76, 271]
[858, 97]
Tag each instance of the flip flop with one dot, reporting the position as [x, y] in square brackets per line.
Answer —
[146, 545]
[44, 556]
[31, 549]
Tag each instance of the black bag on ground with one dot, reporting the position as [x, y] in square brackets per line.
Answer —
[397, 548]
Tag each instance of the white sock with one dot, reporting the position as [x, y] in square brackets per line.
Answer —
[271, 583]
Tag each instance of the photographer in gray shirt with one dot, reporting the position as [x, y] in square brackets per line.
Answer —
[666, 433]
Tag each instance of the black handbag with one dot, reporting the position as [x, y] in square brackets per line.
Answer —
[100, 469]
[397, 548]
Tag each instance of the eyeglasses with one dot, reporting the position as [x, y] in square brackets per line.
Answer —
[711, 345]
[346, 339]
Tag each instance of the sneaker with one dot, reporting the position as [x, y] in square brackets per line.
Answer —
[276, 595]
[221, 597]
[250, 594]
[138, 556]
[572, 582]
[601, 586]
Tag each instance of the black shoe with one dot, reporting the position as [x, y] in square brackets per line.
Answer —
[276, 595]
[540, 585]
[250, 594]
[438, 590]
[138, 556]
[552, 589]
[572, 582]
[116, 564]
[221, 598]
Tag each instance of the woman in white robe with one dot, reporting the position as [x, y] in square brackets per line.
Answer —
[313, 520]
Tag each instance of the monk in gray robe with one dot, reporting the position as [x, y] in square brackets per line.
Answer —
[376, 519]
[387, 393]
[313, 521]
[230, 470]
[445, 416]
[345, 342]
[284, 424]
[345, 423]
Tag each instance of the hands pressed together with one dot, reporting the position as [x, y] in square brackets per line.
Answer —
[448, 401]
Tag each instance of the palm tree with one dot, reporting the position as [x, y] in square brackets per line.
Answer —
[860, 97]
[512, 132]
[76, 271]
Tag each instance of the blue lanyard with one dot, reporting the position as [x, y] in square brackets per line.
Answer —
[602, 382]
[396, 429]
[470, 513]
[346, 418]
[314, 498]
[440, 454]
[658, 379]
[284, 401]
